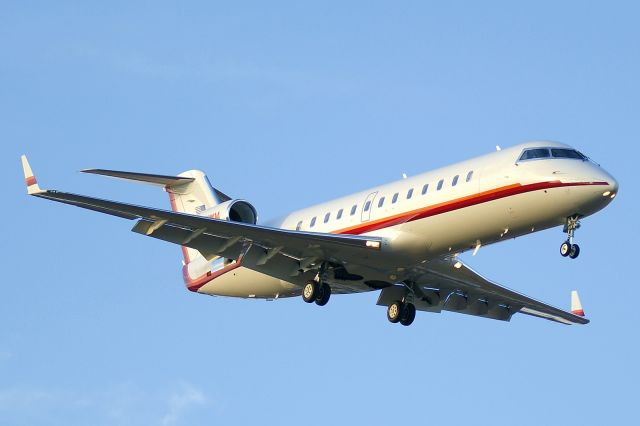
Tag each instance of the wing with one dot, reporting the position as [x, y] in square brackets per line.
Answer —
[285, 254]
[448, 284]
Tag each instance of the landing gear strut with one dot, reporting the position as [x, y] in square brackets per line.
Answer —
[568, 248]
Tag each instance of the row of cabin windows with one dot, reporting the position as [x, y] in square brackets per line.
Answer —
[327, 217]
[381, 201]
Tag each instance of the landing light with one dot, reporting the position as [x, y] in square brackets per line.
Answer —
[457, 265]
[373, 244]
[606, 193]
[613, 196]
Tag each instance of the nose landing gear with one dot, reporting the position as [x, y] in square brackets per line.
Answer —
[568, 248]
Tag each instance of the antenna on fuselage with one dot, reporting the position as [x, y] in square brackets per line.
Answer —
[404, 176]
[498, 148]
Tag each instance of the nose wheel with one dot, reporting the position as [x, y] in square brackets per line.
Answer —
[569, 248]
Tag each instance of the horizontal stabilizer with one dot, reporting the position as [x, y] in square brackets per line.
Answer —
[142, 177]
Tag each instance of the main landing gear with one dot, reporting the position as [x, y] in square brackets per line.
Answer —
[568, 248]
[402, 312]
[314, 291]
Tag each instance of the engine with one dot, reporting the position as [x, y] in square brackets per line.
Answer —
[233, 210]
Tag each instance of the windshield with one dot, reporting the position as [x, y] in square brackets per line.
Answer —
[531, 154]
[541, 153]
[566, 153]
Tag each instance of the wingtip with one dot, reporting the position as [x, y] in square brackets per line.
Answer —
[29, 178]
[576, 304]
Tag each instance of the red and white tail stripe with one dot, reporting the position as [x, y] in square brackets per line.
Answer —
[29, 178]
[576, 306]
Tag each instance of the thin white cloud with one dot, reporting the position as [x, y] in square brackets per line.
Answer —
[180, 402]
[22, 398]
[122, 404]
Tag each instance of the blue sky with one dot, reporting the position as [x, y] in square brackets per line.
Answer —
[286, 104]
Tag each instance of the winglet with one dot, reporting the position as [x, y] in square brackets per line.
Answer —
[29, 178]
[576, 306]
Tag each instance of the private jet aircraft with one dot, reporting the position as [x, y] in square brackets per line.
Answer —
[402, 239]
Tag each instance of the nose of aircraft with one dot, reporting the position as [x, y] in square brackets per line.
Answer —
[613, 185]
[611, 190]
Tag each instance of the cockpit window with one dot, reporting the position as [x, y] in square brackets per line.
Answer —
[566, 153]
[534, 153]
[538, 153]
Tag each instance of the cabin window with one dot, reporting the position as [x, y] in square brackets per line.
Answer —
[367, 206]
[339, 215]
[425, 188]
[313, 222]
[395, 198]
[440, 183]
[353, 209]
[469, 175]
[410, 193]
[299, 226]
[454, 182]
[326, 217]
[381, 202]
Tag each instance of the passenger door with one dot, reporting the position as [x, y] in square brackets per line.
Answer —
[367, 206]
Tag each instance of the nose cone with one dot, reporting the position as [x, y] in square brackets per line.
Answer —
[611, 189]
[613, 185]
[600, 191]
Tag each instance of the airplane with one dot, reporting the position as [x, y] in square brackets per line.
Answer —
[402, 239]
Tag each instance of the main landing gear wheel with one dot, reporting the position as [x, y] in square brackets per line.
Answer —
[409, 314]
[394, 311]
[310, 291]
[316, 292]
[565, 248]
[404, 313]
[324, 294]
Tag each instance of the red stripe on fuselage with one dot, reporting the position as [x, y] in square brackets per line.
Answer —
[195, 284]
[459, 203]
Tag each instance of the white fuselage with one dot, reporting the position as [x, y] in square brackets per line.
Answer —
[446, 211]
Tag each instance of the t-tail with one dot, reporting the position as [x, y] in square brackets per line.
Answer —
[191, 193]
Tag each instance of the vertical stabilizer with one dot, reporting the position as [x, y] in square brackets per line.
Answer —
[192, 197]
[190, 192]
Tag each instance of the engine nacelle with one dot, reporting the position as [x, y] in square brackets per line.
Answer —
[233, 210]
